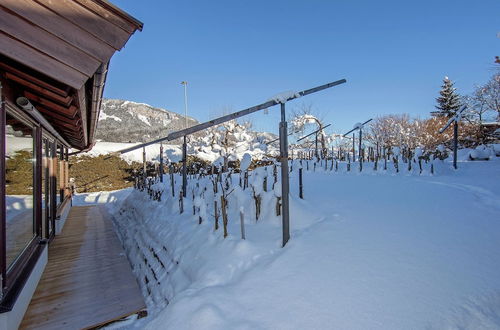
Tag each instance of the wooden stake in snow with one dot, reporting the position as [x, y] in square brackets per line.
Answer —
[245, 181]
[223, 203]
[144, 169]
[242, 223]
[216, 215]
[301, 187]
[161, 162]
[277, 194]
[385, 160]
[181, 202]
[172, 181]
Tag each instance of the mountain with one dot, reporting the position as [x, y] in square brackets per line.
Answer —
[127, 121]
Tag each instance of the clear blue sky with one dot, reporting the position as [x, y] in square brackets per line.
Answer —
[236, 54]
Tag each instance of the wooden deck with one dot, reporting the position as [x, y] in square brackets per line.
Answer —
[88, 280]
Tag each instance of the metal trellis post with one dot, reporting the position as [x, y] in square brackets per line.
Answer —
[285, 215]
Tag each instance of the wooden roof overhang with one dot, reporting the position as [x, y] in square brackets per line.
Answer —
[56, 54]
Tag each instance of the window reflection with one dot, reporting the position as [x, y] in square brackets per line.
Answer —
[46, 159]
[57, 163]
[19, 192]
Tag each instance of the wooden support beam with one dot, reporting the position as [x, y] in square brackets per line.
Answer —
[70, 112]
[42, 83]
[65, 101]
[56, 116]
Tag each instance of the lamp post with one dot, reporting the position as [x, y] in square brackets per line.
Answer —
[185, 103]
[184, 143]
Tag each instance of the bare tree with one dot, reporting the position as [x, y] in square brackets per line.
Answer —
[304, 117]
[490, 94]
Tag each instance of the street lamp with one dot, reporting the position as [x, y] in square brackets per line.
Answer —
[184, 143]
[185, 103]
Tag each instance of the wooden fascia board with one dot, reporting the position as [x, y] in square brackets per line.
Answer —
[82, 105]
[138, 25]
[89, 21]
[61, 27]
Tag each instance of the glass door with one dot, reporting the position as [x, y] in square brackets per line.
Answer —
[20, 163]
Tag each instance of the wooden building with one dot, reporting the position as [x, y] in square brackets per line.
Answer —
[54, 58]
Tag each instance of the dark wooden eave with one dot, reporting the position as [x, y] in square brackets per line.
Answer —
[56, 53]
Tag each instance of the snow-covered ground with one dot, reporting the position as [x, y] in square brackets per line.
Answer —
[171, 152]
[368, 250]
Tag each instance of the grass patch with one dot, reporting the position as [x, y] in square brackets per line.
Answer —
[101, 173]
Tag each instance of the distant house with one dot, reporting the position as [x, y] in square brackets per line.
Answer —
[54, 57]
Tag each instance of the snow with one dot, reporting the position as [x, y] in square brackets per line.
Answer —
[482, 152]
[103, 116]
[231, 139]
[299, 122]
[219, 162]
[101, 197]
[369, 250]
[17, 204]
[14, 144]
[245, 162]
[496, 148]
[172, 153]
[284, 96]
[144, 119]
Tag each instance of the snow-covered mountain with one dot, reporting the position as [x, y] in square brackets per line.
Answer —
[127, 121]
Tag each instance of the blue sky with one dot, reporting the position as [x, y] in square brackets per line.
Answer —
[236, 54]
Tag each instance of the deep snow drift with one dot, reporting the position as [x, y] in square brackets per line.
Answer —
[373, 250]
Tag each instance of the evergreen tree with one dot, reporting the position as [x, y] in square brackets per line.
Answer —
[448, 101]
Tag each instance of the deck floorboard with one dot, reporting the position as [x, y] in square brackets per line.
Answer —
[88, 280]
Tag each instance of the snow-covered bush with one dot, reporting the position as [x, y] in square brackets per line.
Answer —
[481, 152]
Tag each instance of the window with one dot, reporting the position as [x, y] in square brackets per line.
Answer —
[19, 187]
